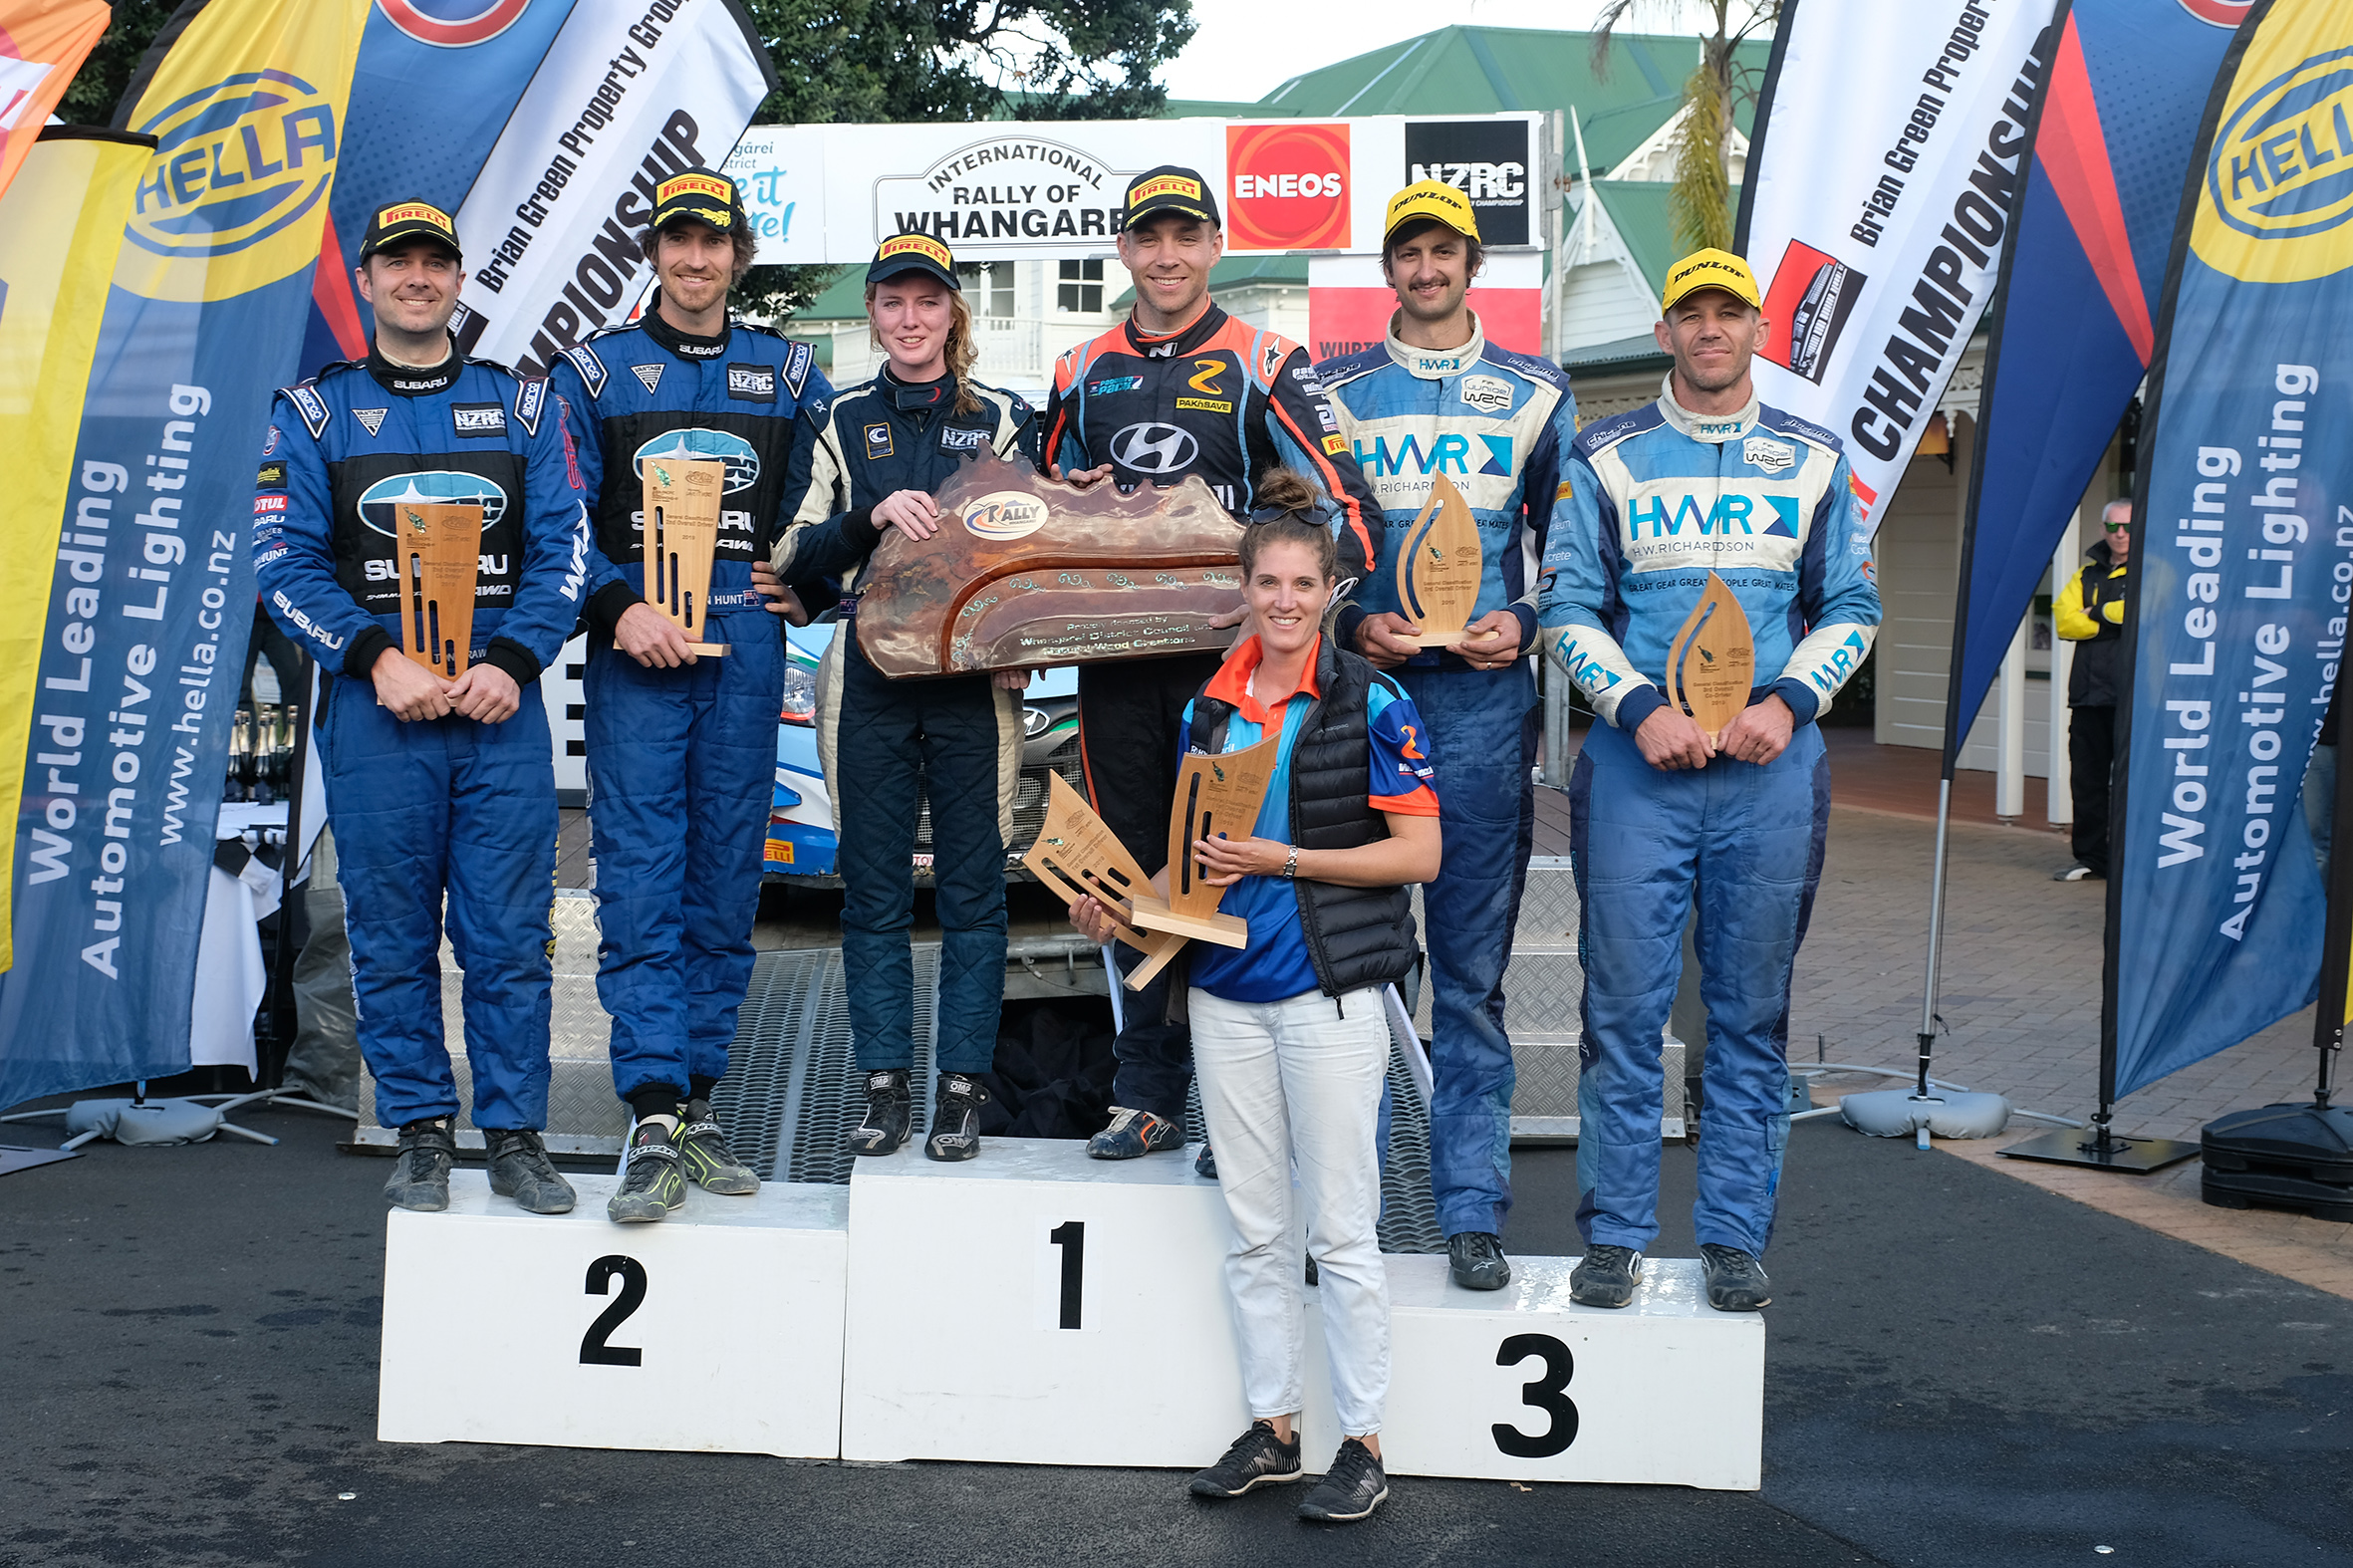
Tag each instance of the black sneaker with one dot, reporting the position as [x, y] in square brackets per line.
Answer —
[1256, 1459]
[1352, 1488]
[1475, 1258]
[1605, 1276]
[519, 1170]
[653, 1184]
[1736, 1279]
[956, 1117]
[710, 1164]
[420, 1175]
[890, 1108]
[1133, 1134]
[1204, 1163]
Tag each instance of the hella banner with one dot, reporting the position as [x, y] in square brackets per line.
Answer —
[42, 44]
[61, 224]
[1890, 141]
[2075, 325]
[2243, 567]
[626, 97]
[150, 596]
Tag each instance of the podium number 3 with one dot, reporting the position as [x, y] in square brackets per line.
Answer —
[1071, 1238]
[593, 1352]
[1544, 1394]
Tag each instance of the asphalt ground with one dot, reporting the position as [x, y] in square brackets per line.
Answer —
[1962, 1370]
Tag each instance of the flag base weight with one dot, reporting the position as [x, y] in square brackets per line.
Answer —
[2099, 1148]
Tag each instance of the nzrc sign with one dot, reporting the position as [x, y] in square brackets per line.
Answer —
[1287, 187]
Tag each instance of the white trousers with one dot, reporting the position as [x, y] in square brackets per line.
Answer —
[1301, 1078]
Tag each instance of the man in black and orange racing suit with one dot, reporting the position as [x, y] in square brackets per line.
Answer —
[1181, 387]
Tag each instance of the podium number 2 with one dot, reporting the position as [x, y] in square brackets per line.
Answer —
[1544, 1394]
[1071, 1238]
[593, 1352]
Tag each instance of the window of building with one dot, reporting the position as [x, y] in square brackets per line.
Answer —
[1080, 287]
[989, 286]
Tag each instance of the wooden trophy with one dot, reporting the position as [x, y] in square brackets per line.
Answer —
[439, 548]
[1214, 795]
[1077, 856]
[1711, 666]
[1440, 568]
[681, 529]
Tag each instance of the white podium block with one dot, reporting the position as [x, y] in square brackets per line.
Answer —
[1034, 1306]
[574, 1331]
[1522, 1384]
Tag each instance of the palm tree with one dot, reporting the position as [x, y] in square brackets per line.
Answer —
[1717, 85]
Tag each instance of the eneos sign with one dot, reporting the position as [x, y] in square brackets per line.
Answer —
[1287, 187]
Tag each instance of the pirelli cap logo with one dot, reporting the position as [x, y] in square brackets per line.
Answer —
[414, 212]
[923, 246]
[1164, 186]
[697, 194]
[696, 185]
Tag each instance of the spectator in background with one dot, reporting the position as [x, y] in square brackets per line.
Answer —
[2090, 613]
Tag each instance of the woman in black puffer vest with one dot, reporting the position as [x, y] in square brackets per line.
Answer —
[1290, 1042]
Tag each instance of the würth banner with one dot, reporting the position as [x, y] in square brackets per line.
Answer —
[1890, 141]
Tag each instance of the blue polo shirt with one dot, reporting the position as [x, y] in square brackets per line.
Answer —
[1277, 964]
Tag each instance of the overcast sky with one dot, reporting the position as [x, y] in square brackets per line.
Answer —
[1246, 49]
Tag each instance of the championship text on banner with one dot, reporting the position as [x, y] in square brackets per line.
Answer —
[42, 44]
[2244, 567]
[151, 596]
[61, 224]
[1888, 141]
[622, 102]
[2075, 322]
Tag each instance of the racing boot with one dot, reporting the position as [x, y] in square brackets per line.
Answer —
[889, 1109]
[1605, 1276]
[420, 1175]
[1133, 1134]
[1475, 1258]
[519, 1169]
[956, 1117]
[1736, 1279]
[653, 1184]
[710, 1162]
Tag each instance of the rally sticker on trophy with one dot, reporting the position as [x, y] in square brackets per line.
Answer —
[1439, 568]
[440, 551]
[1215, 795]
[1077, 856]
[1711, 665]
[681, 529]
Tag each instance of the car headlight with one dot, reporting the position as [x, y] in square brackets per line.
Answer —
[800, 695]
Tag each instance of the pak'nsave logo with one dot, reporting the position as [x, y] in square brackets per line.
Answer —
[2279, 180]
[230, 200]
[381, 502]
[743, 463]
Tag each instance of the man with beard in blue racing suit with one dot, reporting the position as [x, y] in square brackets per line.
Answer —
[1438, 399]
[681, 748]
[1706, 479]
[436, 787]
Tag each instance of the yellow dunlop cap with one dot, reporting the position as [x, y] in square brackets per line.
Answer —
[1710, 269]
[1430, 199]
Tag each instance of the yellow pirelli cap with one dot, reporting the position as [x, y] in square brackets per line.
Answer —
[1710, 269]
[700, 194]
[402, 221]
[911, 252]
[1430, 199]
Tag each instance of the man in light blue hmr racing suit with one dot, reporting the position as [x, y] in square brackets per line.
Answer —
[1705, 479]
[1437, 398]
[434, 786]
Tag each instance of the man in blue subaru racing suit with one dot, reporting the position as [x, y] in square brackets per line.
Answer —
[1705, 479]
[434, 786]
[1437, 398]
[681, 748]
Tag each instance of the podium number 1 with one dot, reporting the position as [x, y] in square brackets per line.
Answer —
[593, 1352]
[1071, 1238]
[1543, 1394]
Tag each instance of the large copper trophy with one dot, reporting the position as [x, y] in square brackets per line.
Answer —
[439, 551]
[682, 532]
[1027, 572]
[1711, 665]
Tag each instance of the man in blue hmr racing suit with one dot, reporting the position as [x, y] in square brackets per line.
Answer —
[681, 749]
[1439, 397]
[1703, 479]
[434, 786]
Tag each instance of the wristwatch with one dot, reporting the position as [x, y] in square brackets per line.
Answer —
[1291, 865]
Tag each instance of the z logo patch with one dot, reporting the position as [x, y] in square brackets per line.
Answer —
[370, 420]
[878, 440]
[1760, 452]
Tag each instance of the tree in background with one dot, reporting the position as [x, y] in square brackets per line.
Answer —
[96, 88]
[890, 61]
[1717, 88]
